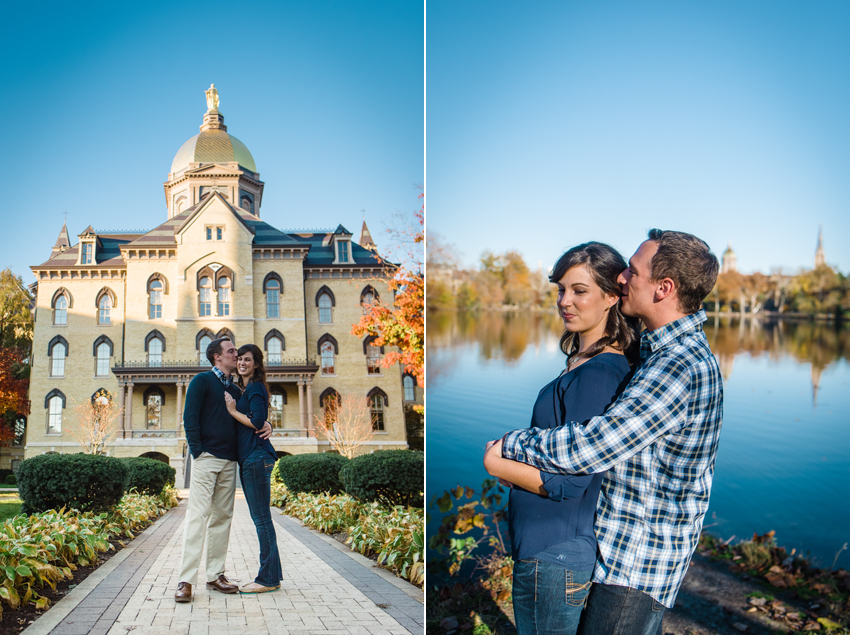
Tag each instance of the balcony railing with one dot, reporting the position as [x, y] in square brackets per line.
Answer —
[289, 432]
[194, 363]
[154, 434]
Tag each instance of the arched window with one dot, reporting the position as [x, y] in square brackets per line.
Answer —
[202, 340]
[377, 403]
[60, 310]
[205, 296]
[272, 287]
[154, 347]
[329, 402]
[409, 384]
[325, 301]
[325, 310]
[54, 402]
[367, 298]
[57, 349]
[277, 399]
[104, 352]
[327, 351]
[224, 296]
[154, 399]
[155, 300]
[373, 355]
[104, 311]
[203, 343]
[226, 332]
[155, 352]
[274, 346]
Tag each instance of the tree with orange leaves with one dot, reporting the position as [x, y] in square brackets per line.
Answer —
[14, 385]
[403, 323]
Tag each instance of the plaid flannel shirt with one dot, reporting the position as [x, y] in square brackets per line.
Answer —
[658, 442]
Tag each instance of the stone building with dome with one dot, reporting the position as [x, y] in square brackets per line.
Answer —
[128, 314]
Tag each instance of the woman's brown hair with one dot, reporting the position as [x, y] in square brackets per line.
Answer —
[259, 369]
[604, 263]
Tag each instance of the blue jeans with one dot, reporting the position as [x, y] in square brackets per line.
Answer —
[620, 610]
[548, 599]
[255, 472]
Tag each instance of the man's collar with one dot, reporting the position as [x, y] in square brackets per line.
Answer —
[651, 341]
[220, 374]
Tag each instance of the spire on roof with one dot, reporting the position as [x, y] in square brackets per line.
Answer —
[366, 238]
[62, 243]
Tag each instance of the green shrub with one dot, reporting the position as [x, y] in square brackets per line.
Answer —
[311, 473]
[86, 482]
[11, 480]
[395, 476]
[149, 476]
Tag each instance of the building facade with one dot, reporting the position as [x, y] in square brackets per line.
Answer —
[129, 314]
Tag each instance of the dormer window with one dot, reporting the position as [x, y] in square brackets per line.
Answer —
[342, 251]
[87, 256]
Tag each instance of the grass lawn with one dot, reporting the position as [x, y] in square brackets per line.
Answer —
[10, 505]
[4, 486]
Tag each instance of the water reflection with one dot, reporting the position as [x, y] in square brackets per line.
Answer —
[505, 336]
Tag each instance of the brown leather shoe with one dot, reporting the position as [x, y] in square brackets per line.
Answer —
[223, 584]
[183, 593]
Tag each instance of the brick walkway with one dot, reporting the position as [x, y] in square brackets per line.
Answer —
[327, 589]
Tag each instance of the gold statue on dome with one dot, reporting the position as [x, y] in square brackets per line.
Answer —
[212, 98]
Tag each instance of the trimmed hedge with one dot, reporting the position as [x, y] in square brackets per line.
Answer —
[394, 476]
[11, 480]
[149, 476]
[311, 473]
[85, 482]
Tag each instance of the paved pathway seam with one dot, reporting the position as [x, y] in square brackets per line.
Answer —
[397, 603]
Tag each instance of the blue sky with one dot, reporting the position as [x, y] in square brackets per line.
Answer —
[98, 97]
[554, 123]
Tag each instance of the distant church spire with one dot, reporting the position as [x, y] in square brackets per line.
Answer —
[62, 243]
[820, 258]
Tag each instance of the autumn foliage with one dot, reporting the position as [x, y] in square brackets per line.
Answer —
[13, 389]
[401, 324]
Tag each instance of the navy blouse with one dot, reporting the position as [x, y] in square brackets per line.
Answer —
[254, 403]
[559, 529]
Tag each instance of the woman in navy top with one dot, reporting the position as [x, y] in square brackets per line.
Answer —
[551, 515]
[256, 458]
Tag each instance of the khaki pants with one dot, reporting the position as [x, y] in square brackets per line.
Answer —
[208, 516]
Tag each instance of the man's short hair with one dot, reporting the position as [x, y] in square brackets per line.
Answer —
[214, 348]
[687, 261]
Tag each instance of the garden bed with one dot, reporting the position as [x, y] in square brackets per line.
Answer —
[43, 556]
[392, 536]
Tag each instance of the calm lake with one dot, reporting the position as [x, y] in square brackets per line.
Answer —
[784, 458]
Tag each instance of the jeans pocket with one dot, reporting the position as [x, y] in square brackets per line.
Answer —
[657, 606]
[576, 594]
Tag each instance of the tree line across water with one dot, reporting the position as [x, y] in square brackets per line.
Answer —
[506, 281]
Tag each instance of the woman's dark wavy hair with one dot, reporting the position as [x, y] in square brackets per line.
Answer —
[259, 368]
[604, 263]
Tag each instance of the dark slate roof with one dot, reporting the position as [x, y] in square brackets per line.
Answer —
[321, 254]
[107, 254]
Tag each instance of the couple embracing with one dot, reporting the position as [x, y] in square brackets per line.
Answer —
[225, 423]
[610, 484]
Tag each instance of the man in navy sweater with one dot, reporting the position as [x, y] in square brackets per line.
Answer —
[211, 434]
